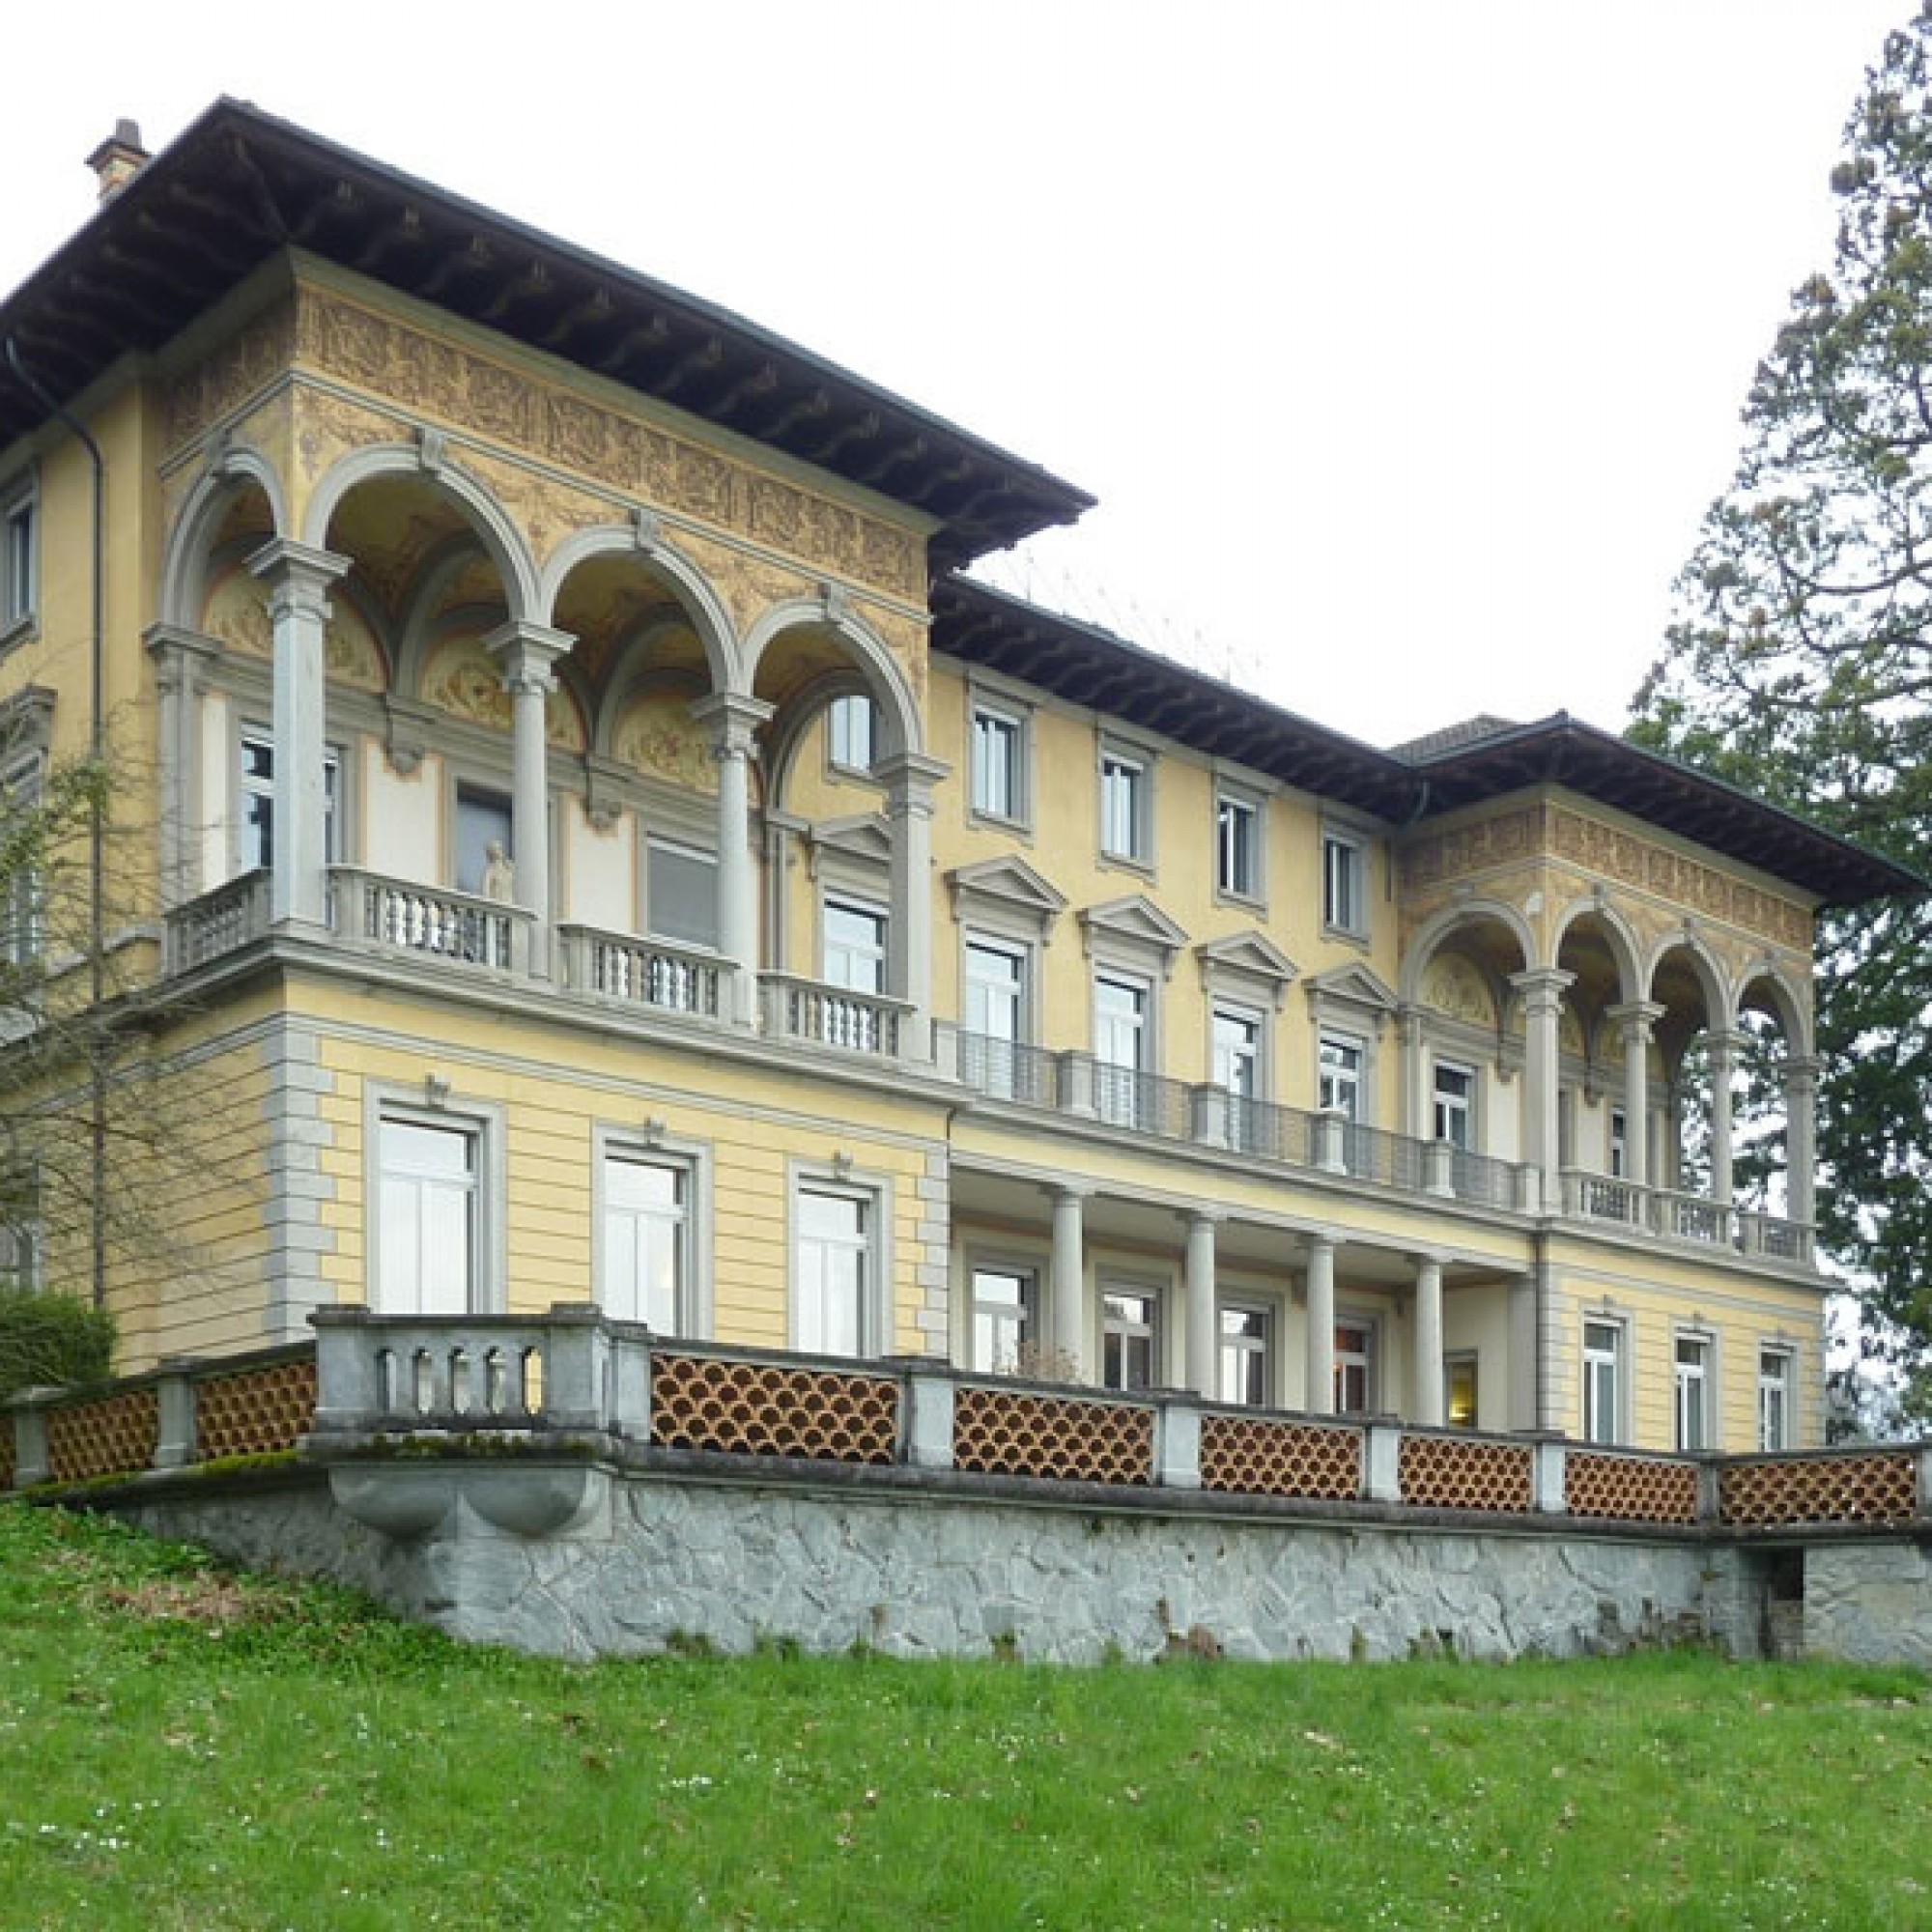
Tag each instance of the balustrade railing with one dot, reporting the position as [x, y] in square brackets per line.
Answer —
[217, 922]
[1604, 1197]
[642, 972]
[817, 1014]
[456, 929]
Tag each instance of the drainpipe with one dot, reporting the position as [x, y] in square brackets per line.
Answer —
[97, 825]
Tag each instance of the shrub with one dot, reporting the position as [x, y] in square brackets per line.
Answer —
[52, 1341]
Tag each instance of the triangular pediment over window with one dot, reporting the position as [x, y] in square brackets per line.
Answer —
[1351, 989]
[863, 836]
[1133, 925]
[1007, 887]
[1246, 962]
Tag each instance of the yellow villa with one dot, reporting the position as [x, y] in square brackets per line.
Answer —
[600, 846]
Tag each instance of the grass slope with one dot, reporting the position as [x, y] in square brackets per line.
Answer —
[181, 1747]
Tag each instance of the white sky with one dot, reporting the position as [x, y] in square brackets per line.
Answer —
[1401, 340]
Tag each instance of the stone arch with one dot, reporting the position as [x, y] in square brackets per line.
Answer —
[417, 631]
[1768, 988]
[1705, 967]
[701, 604]
[1619, 936]
[492, 522]
[1429, 937]
[900, 727]
[185, 564]
[633, 672]
[786, 733]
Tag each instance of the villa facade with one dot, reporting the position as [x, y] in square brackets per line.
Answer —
[602, 848]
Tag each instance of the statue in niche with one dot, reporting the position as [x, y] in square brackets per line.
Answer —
[499, 873]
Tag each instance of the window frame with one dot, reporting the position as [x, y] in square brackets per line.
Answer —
[651, 841]
[336, 768]
[1231, 797]
[1600, 1426]
[1016, 721]
[1454, 1361]
[1357, 1115]
[1462, 1105]
[873, 1192]
[1002, 1073]
[1693, 1390]
[483, 1122]
[1109, 1104]
[1027, 1320]
[1130, 757]
[1151, 1331]
[21, 572]
[1368, 1358]
[838, 899]
[1256, 1349]
[692, 1160]
[1345, 878]
[1785, 1385]
[843, 706]
[23, 928]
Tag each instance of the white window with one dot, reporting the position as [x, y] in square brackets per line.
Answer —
[1354, 1367]
[257, 815]
[1693, 1392]
[1603, 1381]
[1459, 1391]
[428, 1230]
[996, 976]
[1774, 1377]
[1343, 901]
[1455, 1098]
[1340, 1085]
[1246, 1337]
[680, 893]
[834, 1268]
[1237, 846]
[22, 904]
[1120, 1048]
[1237, 1048]
[1126, 825]
[849, 729]
[999, 764]
[1619, 1144]
[1004, 1300]
[1130, 1338]
[855, 947]
[645, 1264]
[20, 557]
[482, 822]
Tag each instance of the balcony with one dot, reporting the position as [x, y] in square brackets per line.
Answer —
[1689, 1219]
[398, 916]
[638, 972]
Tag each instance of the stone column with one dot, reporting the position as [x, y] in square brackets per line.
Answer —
[299, 578]
[1203, 1328]
[1542, 990]
[1416, 1122]
[734, 721]
[1638, 1020]
[1723, 1048]
[180, 662]
[1069, 1283]
[909, 779]
[1320, 1399]
[1426, 1398]
[1800, 1138]
[524, 654]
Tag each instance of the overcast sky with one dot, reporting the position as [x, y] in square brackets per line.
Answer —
[1401, 340]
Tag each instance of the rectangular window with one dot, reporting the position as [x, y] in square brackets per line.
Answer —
[1603, 1381]
[1454, 1107]
[427, 1226]
[20, 1231]
[19, 560]
[1128, 1337]
[1339, 1082]
[1245, 1339]
[1459, 1391]
[1693, 1392]
[1774, 1378]
[849, 733]
[1238, 847]
[681, 894]
[482, 836]
[1354, 1367]
[1119, 1048]
[23, 903]
[835, 1269]
[1343, 902]
[1125, 802]
[999, 764]
[995, 1015]
[257, 815]
[1002, 1320]
[855, 947]
[1234, 1048]
[1619, 1144]
[646, 1241]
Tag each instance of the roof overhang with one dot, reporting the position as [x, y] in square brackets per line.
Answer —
[240, 186]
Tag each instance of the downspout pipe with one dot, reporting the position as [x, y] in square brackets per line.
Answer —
[97, 822]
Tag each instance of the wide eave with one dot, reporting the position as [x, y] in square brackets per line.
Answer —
[240, 186]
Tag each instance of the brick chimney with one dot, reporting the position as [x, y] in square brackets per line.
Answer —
[119, 158]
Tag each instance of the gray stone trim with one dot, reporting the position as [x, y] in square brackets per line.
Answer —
[295, 1142]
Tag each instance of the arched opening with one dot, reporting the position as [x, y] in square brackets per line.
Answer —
[1599, 1090]
[1463, 1056]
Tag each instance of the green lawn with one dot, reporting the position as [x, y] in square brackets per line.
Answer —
[181, 1749]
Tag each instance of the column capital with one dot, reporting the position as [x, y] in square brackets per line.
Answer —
[297, 569]
[909, 777]
[735, 716]
[1724, 1043]
[1430, 1257]
[525, 652]
[1542, 987]
[1067, 1190]
[1325, 1242]
[1800, 1070]
[166, 642]
[1635, 1013]
[1203, 1217]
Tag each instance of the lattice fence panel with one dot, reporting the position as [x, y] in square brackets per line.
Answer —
[1632, 1488]
[1821, 1489]
[755, 1409]
[254, 1412]
[1252, 1456]
[112, 1436]
[1008, 1432]
[1443, 1472]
